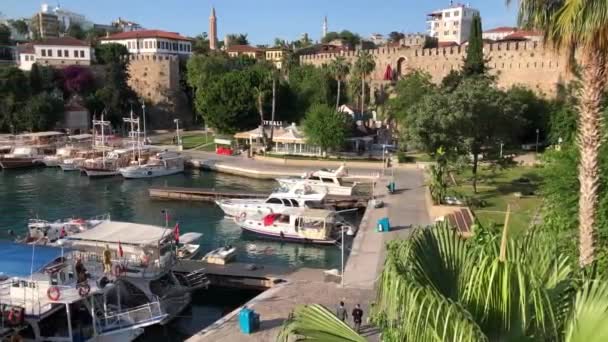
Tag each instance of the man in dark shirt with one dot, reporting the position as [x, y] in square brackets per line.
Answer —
[341, 312]
[357, 317]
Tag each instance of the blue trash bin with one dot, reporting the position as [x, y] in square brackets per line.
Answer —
[245, 320]
[384, 225]
[391, 187]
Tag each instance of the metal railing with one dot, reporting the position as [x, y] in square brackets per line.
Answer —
[140, 316]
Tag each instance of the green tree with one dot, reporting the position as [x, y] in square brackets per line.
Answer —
[364, 65]
[115, 93]
[395, 37]
[339, 69]
[20, 26]
[350, 38]
[262, 83]
[474, 63]
[5, 35]
[35, 79]
[201, 44]
[410, 89]
[430, 42]
[76, 31]
[279, 42]
[308, 85]
[579, 27]
[316, 320]
[238, 39]
[41, 112]
[535, 113]
[326, 128]
[111, 53]
[451, 80]
[228, 103]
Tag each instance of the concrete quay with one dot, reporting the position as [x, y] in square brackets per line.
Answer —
[406, 208]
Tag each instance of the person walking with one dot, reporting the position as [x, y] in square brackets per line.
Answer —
[341, 312]
[357, 317]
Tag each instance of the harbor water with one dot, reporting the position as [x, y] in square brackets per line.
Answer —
[51, 194]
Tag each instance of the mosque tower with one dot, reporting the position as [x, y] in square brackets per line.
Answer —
[212, 30]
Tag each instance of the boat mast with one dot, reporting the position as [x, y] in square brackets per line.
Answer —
[101, 123]
[132, 132]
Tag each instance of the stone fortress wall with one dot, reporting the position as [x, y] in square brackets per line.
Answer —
[156, 78]
[525, 63]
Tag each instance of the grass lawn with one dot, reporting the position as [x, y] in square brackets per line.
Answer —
[193, 140]
[496, 189]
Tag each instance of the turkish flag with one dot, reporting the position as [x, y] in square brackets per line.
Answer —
[120, 252]
[176, 232]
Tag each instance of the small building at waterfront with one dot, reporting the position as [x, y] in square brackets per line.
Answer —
[57, 52]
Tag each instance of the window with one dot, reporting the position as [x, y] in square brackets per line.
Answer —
[456, 23]
[447, 14]
[157, 44]
[295, 203]
[274, 201]
[75, 54]
[49, 52]
[456, 13]
[286, 202]
[327, 180]
[81, 53]
[445, 33]
[59, 53]
[454, 32]
[66, 53]
[174, 46]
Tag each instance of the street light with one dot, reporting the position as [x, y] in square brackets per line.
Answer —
[179, 141]
[537, 131]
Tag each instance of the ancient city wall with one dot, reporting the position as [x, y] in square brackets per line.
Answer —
[526, 63]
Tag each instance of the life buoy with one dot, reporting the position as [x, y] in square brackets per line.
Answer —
[53, 293]
[242, 217]
[84, 290]
[149, 173]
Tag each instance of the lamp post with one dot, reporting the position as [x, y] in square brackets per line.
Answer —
[501, 145]
[342, 245]
[537, 132]
[179, 140]
[143, 110]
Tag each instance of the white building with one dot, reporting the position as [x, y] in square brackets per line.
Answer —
[124, 25]
[66, 17]
[377, 39]
[499, 33]
[152, 42]
[452, 24]
[58, 52]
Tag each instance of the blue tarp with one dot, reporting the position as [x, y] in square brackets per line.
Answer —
[16, 258]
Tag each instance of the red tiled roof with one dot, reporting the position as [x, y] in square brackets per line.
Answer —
[522, 34]
[446, 44]
[501, 29]
[67, 41]
[25, 48]
[243, 48]
[146, 34]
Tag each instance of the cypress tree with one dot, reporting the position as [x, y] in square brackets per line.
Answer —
[474, 63]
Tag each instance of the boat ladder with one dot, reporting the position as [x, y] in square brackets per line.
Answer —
[197, 279]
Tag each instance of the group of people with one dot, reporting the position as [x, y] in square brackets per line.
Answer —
[357, 315]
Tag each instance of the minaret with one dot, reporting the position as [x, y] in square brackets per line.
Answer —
[212, 30]
[324, 27]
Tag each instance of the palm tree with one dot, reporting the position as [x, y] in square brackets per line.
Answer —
[274, 75]
[437, 286]
[339, 69]
[318, 322]
[364, 65]
[579, 26]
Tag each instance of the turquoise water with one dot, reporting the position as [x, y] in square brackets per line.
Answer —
[53, 194]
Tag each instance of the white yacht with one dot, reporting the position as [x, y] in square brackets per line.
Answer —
[110, 165]
[315, 226]
[162, 164]
[275, 203]
[324, 180]
[52, 294]
[48, 232]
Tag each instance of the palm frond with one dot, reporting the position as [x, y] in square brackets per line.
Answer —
[590, 314]
[316, 323]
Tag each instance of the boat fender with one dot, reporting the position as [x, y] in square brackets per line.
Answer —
[149, 173]
[53, 293]
[242, 217]
[84, 290]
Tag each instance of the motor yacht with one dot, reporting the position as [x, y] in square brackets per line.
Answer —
[47, 232]
[161, 164]
[324, 180]
[275, 203]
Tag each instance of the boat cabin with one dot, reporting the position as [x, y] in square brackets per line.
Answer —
[311, 224]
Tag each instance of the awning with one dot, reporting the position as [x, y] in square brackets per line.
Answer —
[125, 232]
[19, 260]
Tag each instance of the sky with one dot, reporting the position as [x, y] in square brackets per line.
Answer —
[264, 20]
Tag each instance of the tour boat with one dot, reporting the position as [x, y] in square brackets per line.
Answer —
[110, 165]
[56, 294]
[6, 143]
[221, 256]
[142, 258]
[186, 249]
[162, 164]
[30, 149]
[75, 143]
[329, 181]
[21, 157]
[275, 203]
[48, 232]
[315, 226]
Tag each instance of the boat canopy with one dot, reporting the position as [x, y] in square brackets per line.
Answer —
[79, 137]
[113, 232]
[326, 173]
[189, 237]
[21, 260]
[319, 214]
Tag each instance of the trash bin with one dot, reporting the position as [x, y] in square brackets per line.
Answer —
[391, 187]
[384, 225]
[249, 321]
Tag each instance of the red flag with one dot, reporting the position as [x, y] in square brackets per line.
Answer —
[120, 253]
[176, 232]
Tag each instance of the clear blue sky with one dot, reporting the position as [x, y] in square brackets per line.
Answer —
[263, 20]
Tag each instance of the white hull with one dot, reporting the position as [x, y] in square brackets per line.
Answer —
[148, 172]
[51, 162]
[331, 189]
[100, 172]
[250, 207]
[69, 167]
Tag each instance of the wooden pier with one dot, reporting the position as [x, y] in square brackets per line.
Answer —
[211, 195]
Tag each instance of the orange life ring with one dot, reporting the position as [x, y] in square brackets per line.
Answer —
[242, 217]
[53, 293]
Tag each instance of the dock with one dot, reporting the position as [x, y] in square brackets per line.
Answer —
[211, 195]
